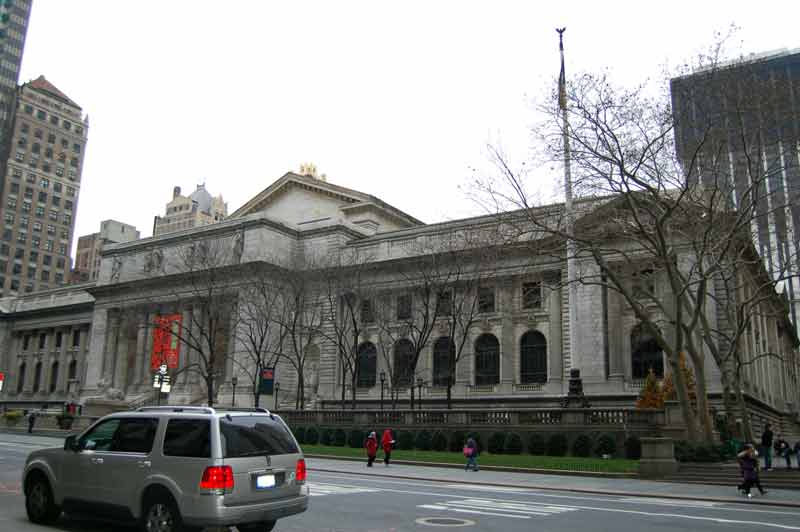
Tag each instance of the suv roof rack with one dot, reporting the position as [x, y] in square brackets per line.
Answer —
[202, 409]
[259, 409]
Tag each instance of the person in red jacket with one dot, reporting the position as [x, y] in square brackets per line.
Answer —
[387, 441]
[371, 445]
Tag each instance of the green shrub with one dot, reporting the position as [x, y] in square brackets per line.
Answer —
[606, 444]
[457, 440]
[326, 436]
[582, 446]
[300, 435]
[339, 438]
[633, 448]
[537, 445]
[357, 438]
[312, 436]
[513, 444]
[557, 445]
[13, 417]
[405, 440]
[424, 440]
[439, 442]
[497, 442]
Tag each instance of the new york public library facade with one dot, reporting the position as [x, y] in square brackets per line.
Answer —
[93, 343]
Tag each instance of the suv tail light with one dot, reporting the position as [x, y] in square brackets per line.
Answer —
[300, 471]
[217, 478]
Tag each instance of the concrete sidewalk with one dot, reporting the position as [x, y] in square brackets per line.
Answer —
[624, 487]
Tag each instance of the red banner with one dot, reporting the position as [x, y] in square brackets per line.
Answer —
[166, 341]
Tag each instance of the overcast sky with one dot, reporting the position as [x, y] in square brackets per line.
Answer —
[395, 99]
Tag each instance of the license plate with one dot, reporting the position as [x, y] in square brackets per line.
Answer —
[265, 481]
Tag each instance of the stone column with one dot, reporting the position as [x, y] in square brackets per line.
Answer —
[111, 343]
[141, 337]
[508, 348]
[30, 373]
[147, 349]
[555, 347]
[121, 356]
[94, 360]
[616, 336]
[63, 361]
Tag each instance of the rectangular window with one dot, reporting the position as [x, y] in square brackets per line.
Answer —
[26, 342]
[70, 191]
[9, 218]
[22, 236]
[59, 278]
[41, 115]
[39, 210]
[33, 257]
[11, 203]
[51, 229]
[62, 248]
[54, 215]
[19, 253]
[51, 138]
[35, 242]
[56, 201]
[76, 338]
[444, 303]
[44, 183]
[43, 197]
[57, 187]
[45, 275]
[47, 260]
[190, 438]
[367, 312]
[68, 205]
[486, 299]
[60, 171]
[254, 435]
[532, 295]
[37, 226]
[49, 245]
[59, 337]
[15, 188]
[404, 307]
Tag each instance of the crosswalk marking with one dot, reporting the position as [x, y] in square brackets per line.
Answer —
[319, 489]
[513, 509]
[670, 502]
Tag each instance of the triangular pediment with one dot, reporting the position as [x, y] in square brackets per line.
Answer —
[298, 200]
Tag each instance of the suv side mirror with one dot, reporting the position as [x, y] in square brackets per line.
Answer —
[71, 443]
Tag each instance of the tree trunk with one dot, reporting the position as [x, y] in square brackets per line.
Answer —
[411, 403]
[256, 396]
[210, 389]
[747, 428]
[703, 414]
[683, 396]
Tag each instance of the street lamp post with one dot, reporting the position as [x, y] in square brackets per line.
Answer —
[420, 384]
[277, 389]
[234, 382]
[383, 383]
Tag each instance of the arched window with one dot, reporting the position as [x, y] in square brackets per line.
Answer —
[487, 360]
[645, 353]
[21, 377]
[403, 355]
[53, 376]
[72, 370]
[37, 377]
[367, 365]
[443, 352]
[533, 358]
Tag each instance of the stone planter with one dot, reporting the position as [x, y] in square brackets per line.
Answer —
[65, 422]
[658, 458]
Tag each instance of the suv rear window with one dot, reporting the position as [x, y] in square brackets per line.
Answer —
[253, 436]
[188, 437]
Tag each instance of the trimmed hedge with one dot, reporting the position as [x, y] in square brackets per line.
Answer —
[537, 445]
[339, 438]
[605, 445]
[582, 446]
[439, 442]
[702, 452]
[300, 434]
[457, 441]
[424, 440]
[357, 438]
[312, 436]
[557, 445]
[405, 440]
[633, 448]
[326, 437]
[513, 444]
[497, 442]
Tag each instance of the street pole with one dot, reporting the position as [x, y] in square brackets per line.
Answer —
[277, 389]
[383, 383]
[234, 382]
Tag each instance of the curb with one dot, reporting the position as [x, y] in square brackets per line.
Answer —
[48, 433]
[726, 500]
[499, 469]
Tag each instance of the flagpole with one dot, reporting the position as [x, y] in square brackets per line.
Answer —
[572, 269]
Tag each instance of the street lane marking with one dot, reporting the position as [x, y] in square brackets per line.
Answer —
[670, 502]
[467, 511]
[516, 509]
[319, 489]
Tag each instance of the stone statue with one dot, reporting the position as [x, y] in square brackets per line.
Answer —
[116, 269]
[238, 247]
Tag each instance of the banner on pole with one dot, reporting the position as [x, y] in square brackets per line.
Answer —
[166, 341]
[266, 381]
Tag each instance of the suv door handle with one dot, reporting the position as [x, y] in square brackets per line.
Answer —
[144, 463]
[97, 460]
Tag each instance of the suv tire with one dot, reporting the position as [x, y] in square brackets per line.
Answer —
[264, 526]
[160, 514]
[39, 504]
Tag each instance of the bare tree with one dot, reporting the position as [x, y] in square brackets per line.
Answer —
[673, 213]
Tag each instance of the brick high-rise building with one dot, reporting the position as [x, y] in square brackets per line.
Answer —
[738, 128]
[40, 188]
[87, 257]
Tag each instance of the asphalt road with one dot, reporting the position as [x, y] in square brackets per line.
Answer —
[361, 502]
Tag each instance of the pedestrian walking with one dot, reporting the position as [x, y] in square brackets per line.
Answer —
[471, 453]
[387, 442]
[766, 446]
[748, 463]
[783, 450]
[31, 421]
[371, 445]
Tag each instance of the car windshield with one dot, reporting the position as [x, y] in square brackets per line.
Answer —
[253, 436]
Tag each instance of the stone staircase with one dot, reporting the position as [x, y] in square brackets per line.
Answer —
[727, 474]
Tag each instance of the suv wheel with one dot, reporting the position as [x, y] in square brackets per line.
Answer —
[39, 501]
[161, 515]
[264, 526]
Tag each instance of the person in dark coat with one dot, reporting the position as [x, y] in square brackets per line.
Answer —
[766, 446]
[387, 441]
[371, 445]
[471, 453]
[31, 421]
[782, 448]
[748, 463]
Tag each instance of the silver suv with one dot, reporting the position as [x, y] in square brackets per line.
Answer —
[173, 469]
